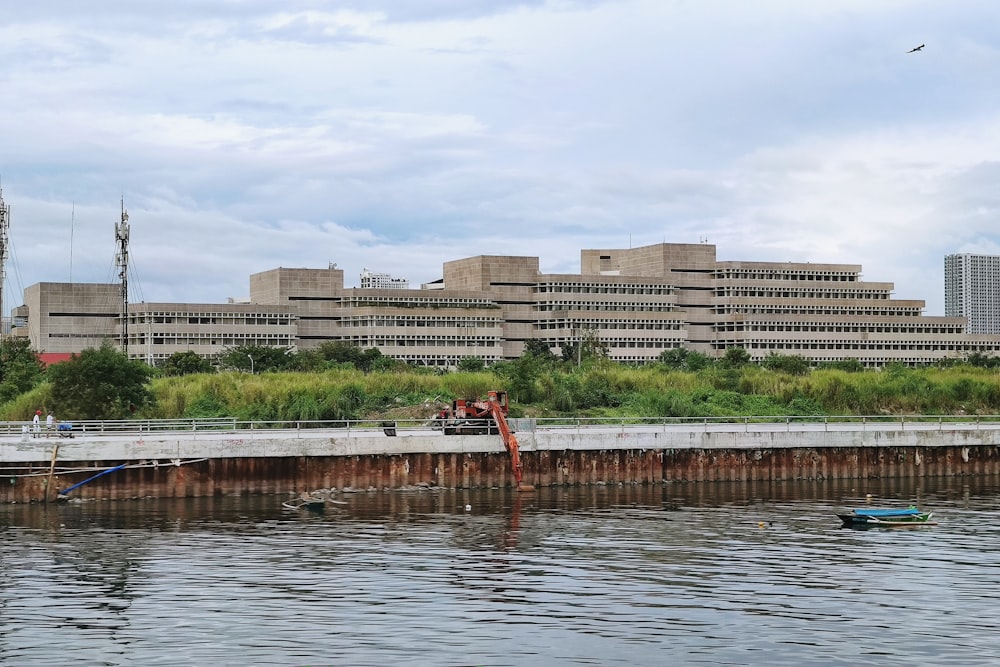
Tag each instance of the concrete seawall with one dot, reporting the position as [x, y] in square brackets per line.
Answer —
[191, 464]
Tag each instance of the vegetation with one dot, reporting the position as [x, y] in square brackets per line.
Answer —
[550, 388]
[20, 369]
[340, 382]
[99, 384]
[258, 358]
[186, 363]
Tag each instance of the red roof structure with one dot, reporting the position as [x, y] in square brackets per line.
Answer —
[49, 358]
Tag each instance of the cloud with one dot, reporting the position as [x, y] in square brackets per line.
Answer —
[397, 136]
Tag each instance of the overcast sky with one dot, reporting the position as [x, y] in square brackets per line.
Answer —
[397, 135]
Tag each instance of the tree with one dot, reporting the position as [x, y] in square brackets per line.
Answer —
[471, 364]
[736, 357]
[982, 360]
[675, 358]
[695, 361]
[851, 365]
[342, 352]
[588, 346]
[258, 358]
[20, 369]
[787, 363]
[570, 352]
[593, 346]
[186, 363]
[539, 348]
[100, 384]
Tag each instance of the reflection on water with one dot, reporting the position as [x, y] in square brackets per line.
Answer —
[680, 574]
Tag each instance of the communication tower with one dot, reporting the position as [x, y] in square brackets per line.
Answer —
[4, 239]
[121, 259]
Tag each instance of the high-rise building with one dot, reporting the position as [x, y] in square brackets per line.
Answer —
[373, 280]
[972, 291]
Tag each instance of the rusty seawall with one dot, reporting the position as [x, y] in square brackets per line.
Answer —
[199, 465]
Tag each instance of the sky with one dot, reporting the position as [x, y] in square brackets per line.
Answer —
[246, 135]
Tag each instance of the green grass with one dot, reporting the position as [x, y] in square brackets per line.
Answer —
[601, 389]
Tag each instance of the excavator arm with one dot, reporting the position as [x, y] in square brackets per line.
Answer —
[509, 440]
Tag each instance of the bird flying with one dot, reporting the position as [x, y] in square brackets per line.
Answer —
[916, 48]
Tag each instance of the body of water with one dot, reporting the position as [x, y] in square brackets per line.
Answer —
[737, 574]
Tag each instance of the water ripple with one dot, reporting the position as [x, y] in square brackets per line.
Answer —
[617, 576]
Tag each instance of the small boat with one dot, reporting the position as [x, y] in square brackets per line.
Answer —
[865, 517]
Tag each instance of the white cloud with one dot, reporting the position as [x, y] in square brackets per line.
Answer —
[366, 133]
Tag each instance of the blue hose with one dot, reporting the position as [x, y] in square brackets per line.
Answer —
[90, 479]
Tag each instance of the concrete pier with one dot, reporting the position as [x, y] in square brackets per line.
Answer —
[274, 461]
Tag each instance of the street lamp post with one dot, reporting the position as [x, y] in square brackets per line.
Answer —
[251, 364]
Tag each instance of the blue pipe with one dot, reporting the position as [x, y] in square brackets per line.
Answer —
[90, 479]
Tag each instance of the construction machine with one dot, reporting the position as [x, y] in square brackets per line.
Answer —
[484, 417]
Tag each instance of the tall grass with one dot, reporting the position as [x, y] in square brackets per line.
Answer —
[601, 389]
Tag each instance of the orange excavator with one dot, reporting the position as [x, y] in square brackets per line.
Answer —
[489, 417]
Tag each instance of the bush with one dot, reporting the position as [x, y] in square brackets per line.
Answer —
[100, 384]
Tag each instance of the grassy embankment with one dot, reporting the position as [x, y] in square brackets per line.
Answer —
[603, 390]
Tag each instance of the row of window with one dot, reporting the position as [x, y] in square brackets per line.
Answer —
[92, 336]
[558, 306]
[577, 288]
[410, 341]
[773, 274]
[839, 328]
[778, 293]
[611, 325]
[415, 321]
[200, 321]
[853, 345]
[422, 301]
[840, 311]
[283, 340]
[210, 318]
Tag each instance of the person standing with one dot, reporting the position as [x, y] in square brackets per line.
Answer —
[36, 423]
[49, 421]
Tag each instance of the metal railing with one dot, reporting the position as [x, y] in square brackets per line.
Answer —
[415, 426]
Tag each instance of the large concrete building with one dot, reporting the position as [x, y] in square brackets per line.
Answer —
[61, 318]
[972, 291]
[637, 302]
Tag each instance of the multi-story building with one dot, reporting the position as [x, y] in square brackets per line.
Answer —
[637, 302]
[61, 318]
[373, 280]
[972, 291]
[423, 327]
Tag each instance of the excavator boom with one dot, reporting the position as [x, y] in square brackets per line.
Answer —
[469, 417]
[509, 441]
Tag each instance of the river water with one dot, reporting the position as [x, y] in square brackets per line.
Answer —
[709, 574]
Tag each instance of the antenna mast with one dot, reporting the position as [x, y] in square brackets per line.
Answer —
[4, 227]
[121, 236]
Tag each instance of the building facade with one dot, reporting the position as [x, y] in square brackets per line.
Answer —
[61, 318]
[373, 280]
[972, 291]
[636, 302]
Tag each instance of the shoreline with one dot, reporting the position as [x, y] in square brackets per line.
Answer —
[248, 462]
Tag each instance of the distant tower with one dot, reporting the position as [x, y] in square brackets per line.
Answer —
[121, 259]
[4, 228]
[972, 291]
[373, 280]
